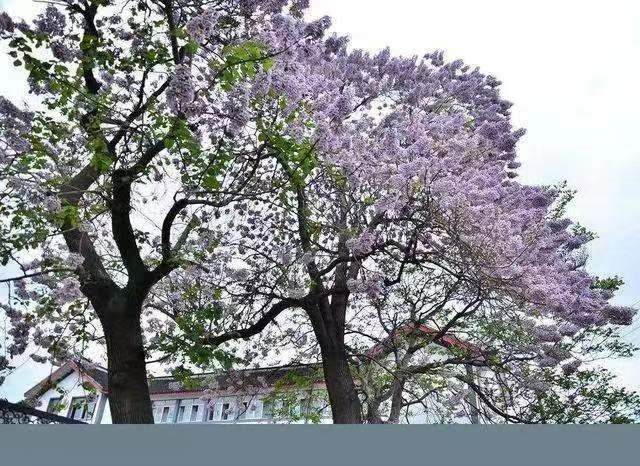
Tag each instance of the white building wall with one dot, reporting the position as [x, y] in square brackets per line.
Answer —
[106, 414]
[71, 387]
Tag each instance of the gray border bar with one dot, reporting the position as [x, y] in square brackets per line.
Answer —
[246, 445]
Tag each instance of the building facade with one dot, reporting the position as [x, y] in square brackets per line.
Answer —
[79, 390]
[292, 394]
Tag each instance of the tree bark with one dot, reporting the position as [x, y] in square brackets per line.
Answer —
[129, 398]
[396, 401]
[373, 413]
[343, 396]
[327, 320]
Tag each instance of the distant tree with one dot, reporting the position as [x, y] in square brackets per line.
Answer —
[492, 368]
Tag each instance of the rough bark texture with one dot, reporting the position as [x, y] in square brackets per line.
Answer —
[328, 325]
[343, 396]
[129, 398]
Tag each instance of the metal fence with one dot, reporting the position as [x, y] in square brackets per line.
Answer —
[12, 413]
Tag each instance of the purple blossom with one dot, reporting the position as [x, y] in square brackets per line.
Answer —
[52, 204]
[67, 291]
[336, 44]
[363, 244]
[619, 315]
[547, 333]
[568, 329]
[75, 260]
[181, 91]
[6, 23]
[559, 225]
[62, 52]
[571, 367]
[316, 29]
[203, 26]
[576, 241]
[52, 22]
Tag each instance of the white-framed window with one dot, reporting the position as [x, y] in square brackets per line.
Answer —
[245, 410]
[181, 411]
[267, 410]
[193, 416]
[253, 411]
[81, 408]
[165, 414]
[163, 411]
[227, 411]
[189, 410]
[54, 405]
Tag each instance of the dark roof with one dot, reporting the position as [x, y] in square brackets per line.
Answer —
[236, 379]
[97, 373]
[86, 367]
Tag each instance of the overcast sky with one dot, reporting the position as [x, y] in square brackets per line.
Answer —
[572, 70]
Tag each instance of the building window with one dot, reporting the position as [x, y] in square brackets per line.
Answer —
[226, 411]
[194, 413]
[165, 414]
[81, 409]
[244, 410]
[54, 405]
[181, 413]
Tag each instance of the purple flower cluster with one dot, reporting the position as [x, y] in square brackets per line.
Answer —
[62, 52]
[6, 23]
[202, 27]
[51, 23]
[181, 91]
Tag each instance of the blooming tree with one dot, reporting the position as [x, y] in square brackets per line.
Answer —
[136, 132]
[229, 155]
[500, 364]
[388, 166]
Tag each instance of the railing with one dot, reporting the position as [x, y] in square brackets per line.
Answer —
[11, 413]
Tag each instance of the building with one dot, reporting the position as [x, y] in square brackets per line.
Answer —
[293, 393]
[79, 390]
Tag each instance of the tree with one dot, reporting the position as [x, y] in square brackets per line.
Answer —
[499, 365]
[406, 165]
[304, 176]
[116, 125]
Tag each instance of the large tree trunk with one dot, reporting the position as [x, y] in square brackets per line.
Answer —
[343, 396]
[373, 413]
[129, 398]
[327, 321]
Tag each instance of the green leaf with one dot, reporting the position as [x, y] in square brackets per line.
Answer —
[101, 162]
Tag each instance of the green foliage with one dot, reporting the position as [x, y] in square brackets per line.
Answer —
[241, 62]
[564, 197]
[587, 397]
[611, 284]
[294, 398]
[298, 157]
[187, 379]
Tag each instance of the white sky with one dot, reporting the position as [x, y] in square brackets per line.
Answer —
[572, 69]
